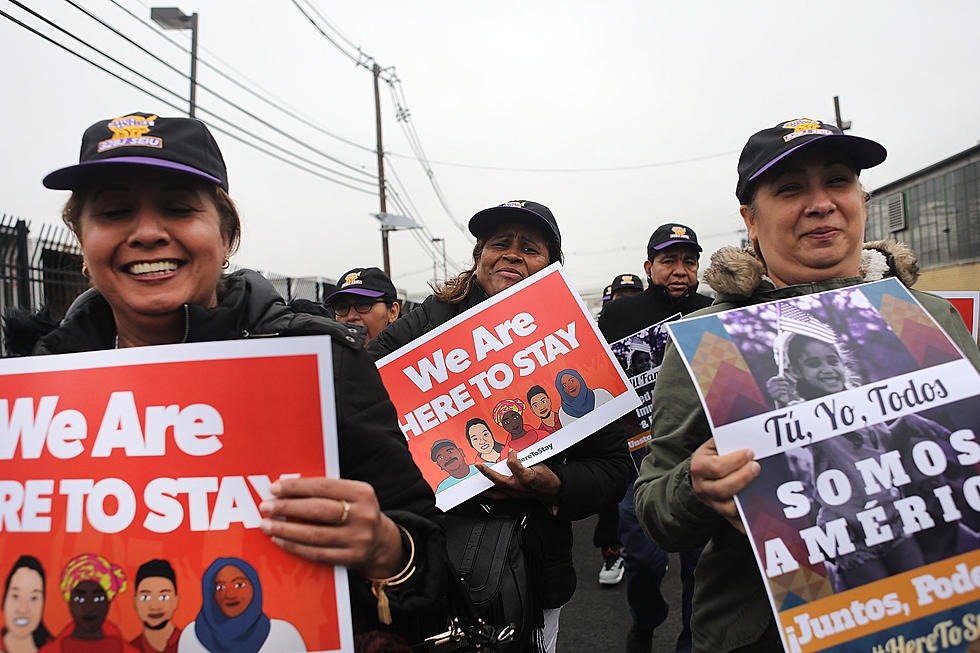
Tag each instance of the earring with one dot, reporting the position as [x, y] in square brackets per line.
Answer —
[867, 197]
[225, 264]
[85, 272]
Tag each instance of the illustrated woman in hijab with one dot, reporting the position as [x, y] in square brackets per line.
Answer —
[509, 413]
[23, 607]
[231, 617]
[577, 398]
[89, 583]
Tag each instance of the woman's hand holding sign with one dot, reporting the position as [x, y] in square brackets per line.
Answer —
[334, 521]
[536, 481]
[717, 479]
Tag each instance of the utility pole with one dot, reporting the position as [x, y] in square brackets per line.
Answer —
[376, 69]
[444, 275]
[842, 125]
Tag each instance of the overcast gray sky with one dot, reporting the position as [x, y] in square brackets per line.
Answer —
[669, 89]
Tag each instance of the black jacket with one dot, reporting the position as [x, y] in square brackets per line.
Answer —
[593, 472]
[371, 446]
[627, 315]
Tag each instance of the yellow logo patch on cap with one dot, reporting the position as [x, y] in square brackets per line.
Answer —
[627, 278]
[131, 131]
[517, 204]
[803, 127]
[352, 279]
[679, 232]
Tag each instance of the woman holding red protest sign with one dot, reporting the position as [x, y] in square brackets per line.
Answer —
[151, 211]
[804, 208]
[514, 241]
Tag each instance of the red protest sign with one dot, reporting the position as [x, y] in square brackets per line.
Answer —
[112, 459]
[526, 370]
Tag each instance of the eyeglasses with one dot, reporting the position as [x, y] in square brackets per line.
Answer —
[341, 308]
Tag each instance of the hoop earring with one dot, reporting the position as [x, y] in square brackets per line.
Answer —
[85, 272]
[225, 264]
[867, 197]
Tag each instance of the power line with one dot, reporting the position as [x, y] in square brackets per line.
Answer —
[639, 166]
[371, 178]
[163, 100]
[265, 96]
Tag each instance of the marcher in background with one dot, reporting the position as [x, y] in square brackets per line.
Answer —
[805, 210]
[365, 296]
[156, 228]
[605, 536]
[625, 285]
[673, 260]
[515, 240]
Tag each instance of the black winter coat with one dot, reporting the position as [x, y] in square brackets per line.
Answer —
[627, 315]
[371, 446]
[593, 472]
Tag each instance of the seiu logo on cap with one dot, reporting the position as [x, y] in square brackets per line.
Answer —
[129, 131]
[627, 278]
[352, 279]
[803, 127]
[679, 232]
[516, 204]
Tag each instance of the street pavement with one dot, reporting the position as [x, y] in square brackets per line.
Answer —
[597, 618]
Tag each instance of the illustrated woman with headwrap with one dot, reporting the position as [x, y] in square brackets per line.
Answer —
[23, 607]
[89, 582]
[231, 619]
[509, 413]
[577, 399]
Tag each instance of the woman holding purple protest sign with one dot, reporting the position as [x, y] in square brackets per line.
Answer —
[515, 240]
[804, 208]
[156, 226]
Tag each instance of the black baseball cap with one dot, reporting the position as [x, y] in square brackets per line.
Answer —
[669, 234]
[626, 281]
[144, 139]
[769, 146]
[607, 293]
[520, 211]
[367, 282]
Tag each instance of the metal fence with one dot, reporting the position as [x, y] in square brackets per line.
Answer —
[43, 268]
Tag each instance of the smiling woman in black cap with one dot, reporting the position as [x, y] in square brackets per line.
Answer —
[515, 240]
[365, 296]
[151, 212]
[804, 208]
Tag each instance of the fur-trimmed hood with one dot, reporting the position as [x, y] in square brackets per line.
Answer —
[736, 272]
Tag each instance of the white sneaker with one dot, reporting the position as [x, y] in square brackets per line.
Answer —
[612, 568]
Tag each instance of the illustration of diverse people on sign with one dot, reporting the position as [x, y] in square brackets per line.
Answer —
[231, 617]
[515, 431]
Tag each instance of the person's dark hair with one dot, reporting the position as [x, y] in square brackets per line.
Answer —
[231, 224]
[155, 568]
[455, 289]
[497, 446]
[535, 390]
[41, 634]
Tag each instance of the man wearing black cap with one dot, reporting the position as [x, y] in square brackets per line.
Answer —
[625, 285]
[367, 297]
[672, 269]
[673, 255]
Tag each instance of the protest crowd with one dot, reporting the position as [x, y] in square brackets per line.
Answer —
[157, 227]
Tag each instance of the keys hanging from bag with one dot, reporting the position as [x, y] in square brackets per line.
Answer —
[494, 605]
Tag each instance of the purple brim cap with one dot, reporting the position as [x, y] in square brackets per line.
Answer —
[69, 177]
[866, 153]
[355, 291]
[679, 241]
